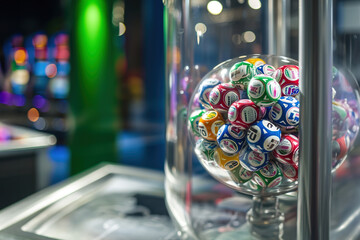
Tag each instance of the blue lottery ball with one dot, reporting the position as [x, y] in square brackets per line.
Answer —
[285, 113]
[231, 139]
[263, 136]
[204, 91]
[253, 161]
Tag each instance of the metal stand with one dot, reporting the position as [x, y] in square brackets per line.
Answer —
[265, 219]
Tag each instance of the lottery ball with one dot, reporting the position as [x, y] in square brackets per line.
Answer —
[241, 73]
[255, 61]
[254, 186]
[222, 96]
[204, 91]
[240, 174]
[340, 118]
[225, 160]
[265, 69]
[209, 125]
[290, 171]
[288, 78]
[193, 123]
[231, 139]
[287, 151]
[243, 113]
[269, 176]
[285, 112]
[263, 136]
[251, 160]
[263, 90]
[340, 147]
[205, 149]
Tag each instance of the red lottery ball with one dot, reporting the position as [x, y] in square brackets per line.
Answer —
[287, 151]
[288, 78]
[244, 113]
[222, 96]
[290, 171]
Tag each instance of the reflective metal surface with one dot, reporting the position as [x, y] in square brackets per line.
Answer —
[315, 119]
[25, 140]
[108, 202]
[278, 27]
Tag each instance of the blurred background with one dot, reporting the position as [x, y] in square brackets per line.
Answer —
[90, 74]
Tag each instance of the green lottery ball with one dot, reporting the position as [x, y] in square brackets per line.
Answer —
[241, 175]
[193, 123]
[254, 186]
[205, 149]
[264, 90]
[241, 73]
[269, 176]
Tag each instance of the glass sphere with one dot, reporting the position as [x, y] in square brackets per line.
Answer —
[243, 122]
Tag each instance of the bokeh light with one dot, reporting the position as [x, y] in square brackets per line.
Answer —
[249, 36]
[236, 38]
[39, 102]
[214, 7]
[5, 98]
[62, 39]
[122, 28]
[51, 70]
[200, 29]
[254, 4]
[18, 100]
[20, 76]
[118, 13]
[62, 52]
[40, 41]
[40, 124]
[33, 114]
[20, 57]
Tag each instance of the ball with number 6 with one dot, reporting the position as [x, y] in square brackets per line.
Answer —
[209, 125]
[263, 136]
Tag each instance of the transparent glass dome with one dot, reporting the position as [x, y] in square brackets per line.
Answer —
[213, 154]
[206, 195]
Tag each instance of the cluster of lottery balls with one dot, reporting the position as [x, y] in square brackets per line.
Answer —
[248, 125]
[248, 122]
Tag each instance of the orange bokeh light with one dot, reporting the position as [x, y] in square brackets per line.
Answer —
[40, 41]
[51, 70]
[20, 56]
[33, 114]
